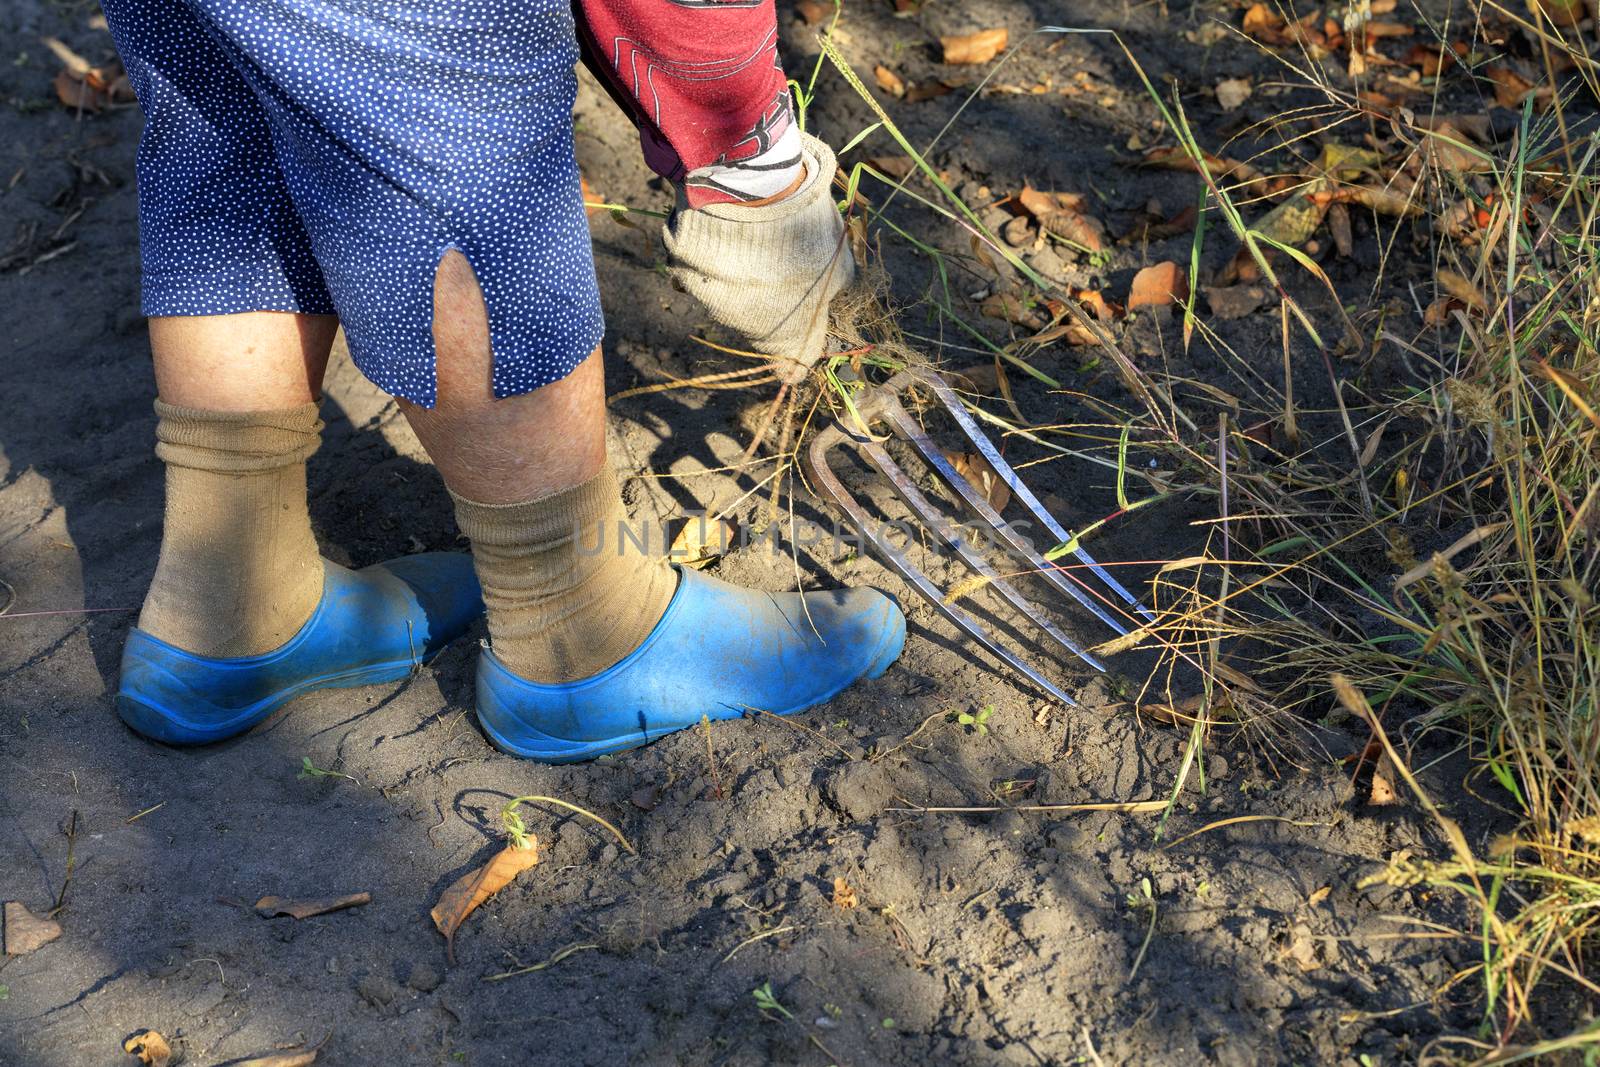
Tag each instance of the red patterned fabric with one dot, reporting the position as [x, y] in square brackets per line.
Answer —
[703, 82]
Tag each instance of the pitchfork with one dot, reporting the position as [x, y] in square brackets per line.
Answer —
[881, 405]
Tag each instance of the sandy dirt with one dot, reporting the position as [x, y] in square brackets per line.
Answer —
[978, 939]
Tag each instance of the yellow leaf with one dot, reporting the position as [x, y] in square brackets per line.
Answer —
[151, 1048]
[701, 542]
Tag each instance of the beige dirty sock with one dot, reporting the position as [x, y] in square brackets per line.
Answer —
[567, 597]
[239, 572]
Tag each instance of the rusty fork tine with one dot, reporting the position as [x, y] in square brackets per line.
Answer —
[826, 481]
[911, 431]
[1020, 489]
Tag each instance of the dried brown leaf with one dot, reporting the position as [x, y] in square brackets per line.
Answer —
[464, 895]
[1082, 230]
[889, 81]
[917, 92]
[982, 476]
[270, 907]
[1462, 289]
[1235, 301]
[77, 93]
[977, 47]
[1339, 225]
[297, 1058]
[896, 167]
[1233, 92]
[1383, 791]
[1010, 308]
[25, 931]
[1294, 221]
[1509, 87]
[844, 897]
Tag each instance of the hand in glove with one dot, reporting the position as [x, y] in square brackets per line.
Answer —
[768, 272]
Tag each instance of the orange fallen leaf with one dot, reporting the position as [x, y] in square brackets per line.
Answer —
[151, 1048]
[270, 907]
[1319, 895]
[977, 47]
[982, 476]
[812, 12]
[844, 897]
[462, 898]
[1173, 157]
[1264, 24]
[1158, 285]
[77, 93]
[889, 81]
[1389, 29]
[1095, 301]
[1560, 12]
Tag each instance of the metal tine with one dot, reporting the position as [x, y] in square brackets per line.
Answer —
[829, 483]
[981, 441]
[908, 428]
[940, 525]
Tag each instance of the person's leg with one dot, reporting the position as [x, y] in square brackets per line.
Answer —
[239, 572]
[511, 450]
[246, 362]
[567, 596]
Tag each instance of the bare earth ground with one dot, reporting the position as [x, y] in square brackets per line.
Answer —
[986, 939]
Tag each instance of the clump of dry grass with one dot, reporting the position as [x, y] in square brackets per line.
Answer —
[1426, 556]
[1443, 569]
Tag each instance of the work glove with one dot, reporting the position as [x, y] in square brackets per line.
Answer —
[768, 273]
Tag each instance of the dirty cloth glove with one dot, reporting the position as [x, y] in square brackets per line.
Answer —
[769, 272]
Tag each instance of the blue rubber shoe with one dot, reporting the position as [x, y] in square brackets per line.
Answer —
[372, 625]
[720, 650]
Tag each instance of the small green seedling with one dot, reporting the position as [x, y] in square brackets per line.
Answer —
[5, 992]
[979, 721]
[311, 770]
[767, 1001]
[888, 1024]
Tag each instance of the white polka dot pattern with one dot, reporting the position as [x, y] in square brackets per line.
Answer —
[322, 155]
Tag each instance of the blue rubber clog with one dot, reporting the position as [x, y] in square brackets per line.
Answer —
[720, 650]
[372, 625]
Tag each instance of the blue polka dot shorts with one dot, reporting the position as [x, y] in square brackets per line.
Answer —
[321, 156]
